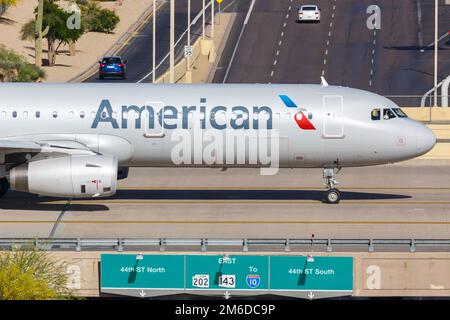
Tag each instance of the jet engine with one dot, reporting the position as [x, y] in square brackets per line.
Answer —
[76, 176]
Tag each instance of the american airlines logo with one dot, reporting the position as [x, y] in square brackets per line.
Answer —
[299, 117]
[256, 117]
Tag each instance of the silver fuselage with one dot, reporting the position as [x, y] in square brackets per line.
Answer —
[113, 119]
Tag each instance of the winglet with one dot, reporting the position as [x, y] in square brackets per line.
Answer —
[324, 82]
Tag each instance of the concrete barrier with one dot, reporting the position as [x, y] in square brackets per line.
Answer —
[375, 274]
[428, 114]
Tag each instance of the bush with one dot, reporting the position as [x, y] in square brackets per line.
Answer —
[32, 275]
[94, 18]
[14, 68]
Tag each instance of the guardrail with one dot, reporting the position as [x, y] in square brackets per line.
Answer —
[203, 245]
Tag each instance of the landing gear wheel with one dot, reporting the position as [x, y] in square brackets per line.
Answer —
[333, 196]
[4, 186]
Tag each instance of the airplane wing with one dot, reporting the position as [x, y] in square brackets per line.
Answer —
[61, 147]
[12, 145]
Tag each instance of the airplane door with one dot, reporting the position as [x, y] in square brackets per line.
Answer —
[333, 117]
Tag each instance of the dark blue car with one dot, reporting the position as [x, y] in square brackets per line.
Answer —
[112, 67]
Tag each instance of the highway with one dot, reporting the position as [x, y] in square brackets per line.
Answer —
[341, 48]
[407, 200]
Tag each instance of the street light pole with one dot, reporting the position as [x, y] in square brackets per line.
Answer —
[154, 42]
[436, 47]
[172, 42]
[203, 20]
[212, 19]
[189, 34]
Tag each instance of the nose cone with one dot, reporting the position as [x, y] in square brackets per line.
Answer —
[425, 140]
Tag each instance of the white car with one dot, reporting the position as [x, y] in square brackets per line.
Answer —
[309, 13]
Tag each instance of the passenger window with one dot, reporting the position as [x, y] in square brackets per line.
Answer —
[310, 116]
[38, 114]
[55, 114]
[388, 114]
[82, 114]
[14, 114]
[376, 114]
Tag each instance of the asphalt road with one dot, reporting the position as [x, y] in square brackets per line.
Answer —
[139, 49]
[341, 47]
[410, 200]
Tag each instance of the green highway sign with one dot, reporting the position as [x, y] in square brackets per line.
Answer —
[296, 273]
[159, 274]
[218, 272]
[131, 271]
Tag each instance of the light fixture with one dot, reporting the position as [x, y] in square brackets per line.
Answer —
[139, 256]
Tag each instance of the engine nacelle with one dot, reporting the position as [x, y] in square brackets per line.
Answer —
[74, 176]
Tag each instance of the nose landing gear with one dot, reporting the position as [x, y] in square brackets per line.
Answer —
[332, 195]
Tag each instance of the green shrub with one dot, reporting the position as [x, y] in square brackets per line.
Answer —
[15, 68]
[94, 18]
[32, 275]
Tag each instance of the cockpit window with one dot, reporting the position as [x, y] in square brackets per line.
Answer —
[388, 114]
[376, 114]
[399, 112]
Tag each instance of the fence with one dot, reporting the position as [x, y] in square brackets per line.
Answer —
[244, 245]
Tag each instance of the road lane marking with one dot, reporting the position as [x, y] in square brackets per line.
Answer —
[419, 18]
[331, 222]
[59, 219]
[273, 188]
[247, 18]
[243, 188]
[402, 202]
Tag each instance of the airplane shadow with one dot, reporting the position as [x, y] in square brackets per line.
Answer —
[21, 201]
[246, 195]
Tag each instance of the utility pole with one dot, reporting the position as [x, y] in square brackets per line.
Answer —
[172, 41]
[154, 42]
[436, 47]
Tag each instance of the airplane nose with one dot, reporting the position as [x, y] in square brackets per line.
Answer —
[425, 140]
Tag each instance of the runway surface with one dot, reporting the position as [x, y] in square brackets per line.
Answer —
[341, 47]
[408, 200]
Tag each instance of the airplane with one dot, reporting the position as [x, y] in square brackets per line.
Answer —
[77, 140]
